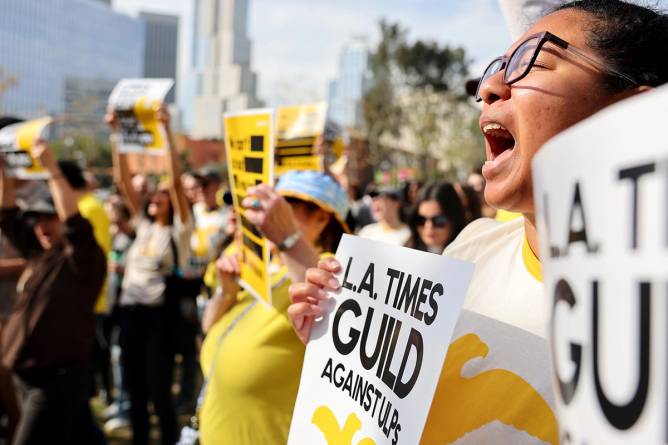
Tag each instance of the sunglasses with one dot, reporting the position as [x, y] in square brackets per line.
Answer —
[438, 221]
[520, 62]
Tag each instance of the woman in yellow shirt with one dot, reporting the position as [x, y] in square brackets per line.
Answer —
[251, 358]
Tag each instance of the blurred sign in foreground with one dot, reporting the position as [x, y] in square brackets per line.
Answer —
[136, 102]
[298, 128]
[16, 145]
[601, 190]
[249, 149]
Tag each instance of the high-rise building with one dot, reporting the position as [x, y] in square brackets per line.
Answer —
[345, 93]
[224, 52]
[161, 47]
[45, 46]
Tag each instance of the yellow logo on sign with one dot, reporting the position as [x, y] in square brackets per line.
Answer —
[326, 421]
[493, 395]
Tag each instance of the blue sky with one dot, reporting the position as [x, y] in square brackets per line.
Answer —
[297, 42]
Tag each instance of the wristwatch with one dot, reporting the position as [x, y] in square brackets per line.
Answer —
[290, 241]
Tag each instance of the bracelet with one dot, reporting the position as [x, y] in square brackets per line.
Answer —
[290, 241]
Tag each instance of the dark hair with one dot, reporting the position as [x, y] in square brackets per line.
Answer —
[631, 38]
[9, 120]
[445, 194]
[73, 174]
[473, 206]
[333, 231]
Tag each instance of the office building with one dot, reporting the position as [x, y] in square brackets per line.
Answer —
[47, 45]
[346, 92]
[160, 47]
[223, 53]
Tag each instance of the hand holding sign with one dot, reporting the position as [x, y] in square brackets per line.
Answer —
[43, 154]
[306, 297]
[270, 213]
[373, 360]
[138, 113]
[229, 270]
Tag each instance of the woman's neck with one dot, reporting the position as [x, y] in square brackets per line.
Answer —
[162, 222]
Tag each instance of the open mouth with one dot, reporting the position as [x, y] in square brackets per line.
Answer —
[499, 139]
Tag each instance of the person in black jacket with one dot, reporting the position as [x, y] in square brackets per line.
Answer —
[48, 338]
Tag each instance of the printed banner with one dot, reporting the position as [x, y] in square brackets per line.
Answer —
[16, 145]
[601, 190]
[373, 362]
[136, 102]
[297, 129]
[250, 157]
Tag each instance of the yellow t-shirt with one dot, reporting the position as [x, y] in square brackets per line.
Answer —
[251, 395]
[496, 384]
[92, 209]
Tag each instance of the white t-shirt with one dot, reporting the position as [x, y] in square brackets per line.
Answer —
[209, 233]
[380, 232]
[496, 387]
[150, 261]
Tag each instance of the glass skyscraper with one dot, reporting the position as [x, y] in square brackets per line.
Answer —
[46, 45]
[346, 92]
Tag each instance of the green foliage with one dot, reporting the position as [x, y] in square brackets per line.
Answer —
[428, 65]
[418, 95]
[87, 150]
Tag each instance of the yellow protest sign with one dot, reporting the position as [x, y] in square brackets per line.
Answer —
[16, 145]
[249, 148]
[297, 129]
[136, 102]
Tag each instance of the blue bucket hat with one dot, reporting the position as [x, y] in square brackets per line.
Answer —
[318, 188]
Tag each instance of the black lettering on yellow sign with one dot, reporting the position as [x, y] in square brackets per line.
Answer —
[294, 148]
[253, 246]
[250, 227]
[257, 143]
[253, 165]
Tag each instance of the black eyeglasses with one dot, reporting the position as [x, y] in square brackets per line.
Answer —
[439, 221]
[520, 62]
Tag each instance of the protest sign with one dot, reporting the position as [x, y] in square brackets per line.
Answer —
[16, 145]
[601, 191]
[297, 129]
[373, 362]
[249, 147]
[136, 102]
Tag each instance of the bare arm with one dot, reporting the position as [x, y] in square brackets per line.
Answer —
[178, 197]
[64, 199]
[299, 258]
[7, 188]
[121, 172]
[217, 307]
[276, 221]
[11, 267]
[228, 271]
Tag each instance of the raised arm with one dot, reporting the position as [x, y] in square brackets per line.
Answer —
[272, 214]
[63, 196]
[122, 177]
[179, 201]
[7, 188]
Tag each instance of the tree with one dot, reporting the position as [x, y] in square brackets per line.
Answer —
[418, 94]
[381, 113]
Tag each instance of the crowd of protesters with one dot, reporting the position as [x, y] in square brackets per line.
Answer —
[135, 298]
[115, 289]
